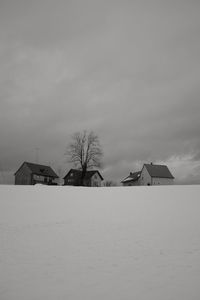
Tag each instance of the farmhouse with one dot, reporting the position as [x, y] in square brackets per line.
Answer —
[156, 175]
[31, 173]
[92, 178]
[151, 174]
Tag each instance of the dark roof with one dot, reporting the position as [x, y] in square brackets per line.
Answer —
[38, 169]
[132, 177]
[77, 174]
[90, 173]
[160, 171]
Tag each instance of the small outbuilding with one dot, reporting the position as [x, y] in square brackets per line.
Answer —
[31, 174]
[92, 178]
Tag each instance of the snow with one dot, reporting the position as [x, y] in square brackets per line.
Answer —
[115, 243]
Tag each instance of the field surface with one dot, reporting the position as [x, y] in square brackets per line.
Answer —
[64, 243]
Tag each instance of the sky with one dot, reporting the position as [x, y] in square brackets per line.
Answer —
[128, 70]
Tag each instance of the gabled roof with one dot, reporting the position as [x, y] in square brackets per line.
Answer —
[90, 173]
[160, 171]
[40, 170]
[132, 177]
[77, 174]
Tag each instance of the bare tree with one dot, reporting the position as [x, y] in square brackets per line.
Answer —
[84, 151]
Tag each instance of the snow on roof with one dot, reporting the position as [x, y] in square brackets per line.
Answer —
[128, 179]
[132, 177]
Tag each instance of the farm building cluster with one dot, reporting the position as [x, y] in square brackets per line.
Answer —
[32, 173]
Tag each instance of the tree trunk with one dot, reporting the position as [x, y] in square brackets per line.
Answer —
[84, 170]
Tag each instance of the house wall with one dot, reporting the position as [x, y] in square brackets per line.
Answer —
[43, 180]
[23, 176]
[145, 178]
[96, 180]
[162, 181]
[71, 179]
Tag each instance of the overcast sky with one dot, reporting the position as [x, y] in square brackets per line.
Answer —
[128, 70]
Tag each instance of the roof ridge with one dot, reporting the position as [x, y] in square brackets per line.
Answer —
[36, 164]
[155, 164]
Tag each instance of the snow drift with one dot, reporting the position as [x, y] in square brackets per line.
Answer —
[99, 243]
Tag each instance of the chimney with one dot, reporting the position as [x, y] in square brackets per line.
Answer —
[131, 173]
[151, 163]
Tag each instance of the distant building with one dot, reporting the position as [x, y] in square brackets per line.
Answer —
[92, 178]
[31, 173]
[151, 174]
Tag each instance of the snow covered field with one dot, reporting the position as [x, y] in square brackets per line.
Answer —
[100, 243]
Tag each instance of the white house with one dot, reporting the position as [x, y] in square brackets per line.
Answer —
[151, 174]
[155, 175]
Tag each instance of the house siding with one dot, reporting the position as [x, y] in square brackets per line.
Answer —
[145, 178]
[162, 181]
[23, 176]
[96, 180]
[70, 179]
